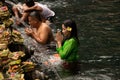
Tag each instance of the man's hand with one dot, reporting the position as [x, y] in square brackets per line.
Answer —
[29, 31]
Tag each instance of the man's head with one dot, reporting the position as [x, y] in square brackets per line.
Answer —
[29, 3]
[34, 18]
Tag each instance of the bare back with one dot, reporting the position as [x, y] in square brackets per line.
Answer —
[45, 33]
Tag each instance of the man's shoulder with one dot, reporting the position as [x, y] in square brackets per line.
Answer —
[45, 26]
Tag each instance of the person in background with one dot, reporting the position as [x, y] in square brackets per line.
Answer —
[29, 6]
[39, 30]
[67, 45]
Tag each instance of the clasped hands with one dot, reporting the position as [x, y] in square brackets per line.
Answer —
[29, 31]
[59, 38]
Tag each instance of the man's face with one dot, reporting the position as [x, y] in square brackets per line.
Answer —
[33, 21]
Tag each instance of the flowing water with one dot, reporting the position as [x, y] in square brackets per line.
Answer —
[98, 28]
[98, 23]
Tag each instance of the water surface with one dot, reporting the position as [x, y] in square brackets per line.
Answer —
[98, 25]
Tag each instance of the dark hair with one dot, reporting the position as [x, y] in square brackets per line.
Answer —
[71, 23]
[36, 14]
[29, 3]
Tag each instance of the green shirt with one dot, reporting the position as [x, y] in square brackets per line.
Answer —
[69, 50]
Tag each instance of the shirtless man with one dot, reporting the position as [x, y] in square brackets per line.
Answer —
[39, 30]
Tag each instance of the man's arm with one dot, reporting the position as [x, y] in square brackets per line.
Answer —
[35, 7]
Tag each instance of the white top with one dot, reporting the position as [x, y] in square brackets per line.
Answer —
[46, 11]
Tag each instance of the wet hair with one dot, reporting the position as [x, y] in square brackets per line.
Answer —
[29, 3]
[71, 23]
[36, 14]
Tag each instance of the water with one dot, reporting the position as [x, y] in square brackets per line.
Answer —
[98, 28]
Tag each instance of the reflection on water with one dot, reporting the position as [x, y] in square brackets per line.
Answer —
[98, 28]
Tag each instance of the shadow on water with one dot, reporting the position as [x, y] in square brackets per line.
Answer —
[98, 29]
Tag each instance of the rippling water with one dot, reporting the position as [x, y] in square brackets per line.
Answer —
[98, 24]
[98, 28]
